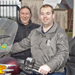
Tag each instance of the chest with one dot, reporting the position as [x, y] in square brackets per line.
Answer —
[44, 40]
[44, 44]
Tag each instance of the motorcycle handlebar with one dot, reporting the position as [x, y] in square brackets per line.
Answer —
[33, 70]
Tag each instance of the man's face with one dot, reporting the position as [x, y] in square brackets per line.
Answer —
[46, 16]
[25, 16]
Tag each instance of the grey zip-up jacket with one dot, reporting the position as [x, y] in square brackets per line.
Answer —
[50, 48]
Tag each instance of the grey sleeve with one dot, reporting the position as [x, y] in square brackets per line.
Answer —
[21, 46]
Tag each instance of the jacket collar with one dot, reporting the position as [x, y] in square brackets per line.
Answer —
[53, 29]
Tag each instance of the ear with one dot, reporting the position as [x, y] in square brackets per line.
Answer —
[30, 16]
[53, 15]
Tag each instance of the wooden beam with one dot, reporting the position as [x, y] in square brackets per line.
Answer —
[74, 18]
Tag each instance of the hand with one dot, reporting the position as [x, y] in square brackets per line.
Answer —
[44, 69]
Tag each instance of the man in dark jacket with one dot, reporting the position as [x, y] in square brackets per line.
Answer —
[25, 26]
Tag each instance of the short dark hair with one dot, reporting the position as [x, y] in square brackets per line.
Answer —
[27, 8]
[47, 5]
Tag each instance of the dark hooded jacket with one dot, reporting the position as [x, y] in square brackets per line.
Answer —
[22, 32]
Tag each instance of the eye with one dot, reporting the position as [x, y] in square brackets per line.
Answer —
[27, 13]
[22, 13]
[42, 13]
[48, 13]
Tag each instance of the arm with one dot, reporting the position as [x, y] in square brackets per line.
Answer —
[61, 57]
[22, 45]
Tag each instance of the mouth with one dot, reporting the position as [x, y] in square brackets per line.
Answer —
[24, 18]
[45, 20]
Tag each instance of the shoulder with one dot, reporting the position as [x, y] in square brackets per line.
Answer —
[19, 23]
[34, 24]
[61, 32]
[34, 31]
[58, 30]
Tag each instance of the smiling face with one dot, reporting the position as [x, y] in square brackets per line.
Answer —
[46, 16]
[25, 16]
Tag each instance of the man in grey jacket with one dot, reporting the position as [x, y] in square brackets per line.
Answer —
[48, 43]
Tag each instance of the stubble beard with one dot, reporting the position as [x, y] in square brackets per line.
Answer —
[24, 22]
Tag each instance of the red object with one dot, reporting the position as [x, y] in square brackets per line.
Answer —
[11, 61]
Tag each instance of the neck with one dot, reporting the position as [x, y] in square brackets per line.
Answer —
[46, 28]
[26, 23]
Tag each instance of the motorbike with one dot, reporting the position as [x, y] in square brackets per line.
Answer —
[10, 65]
